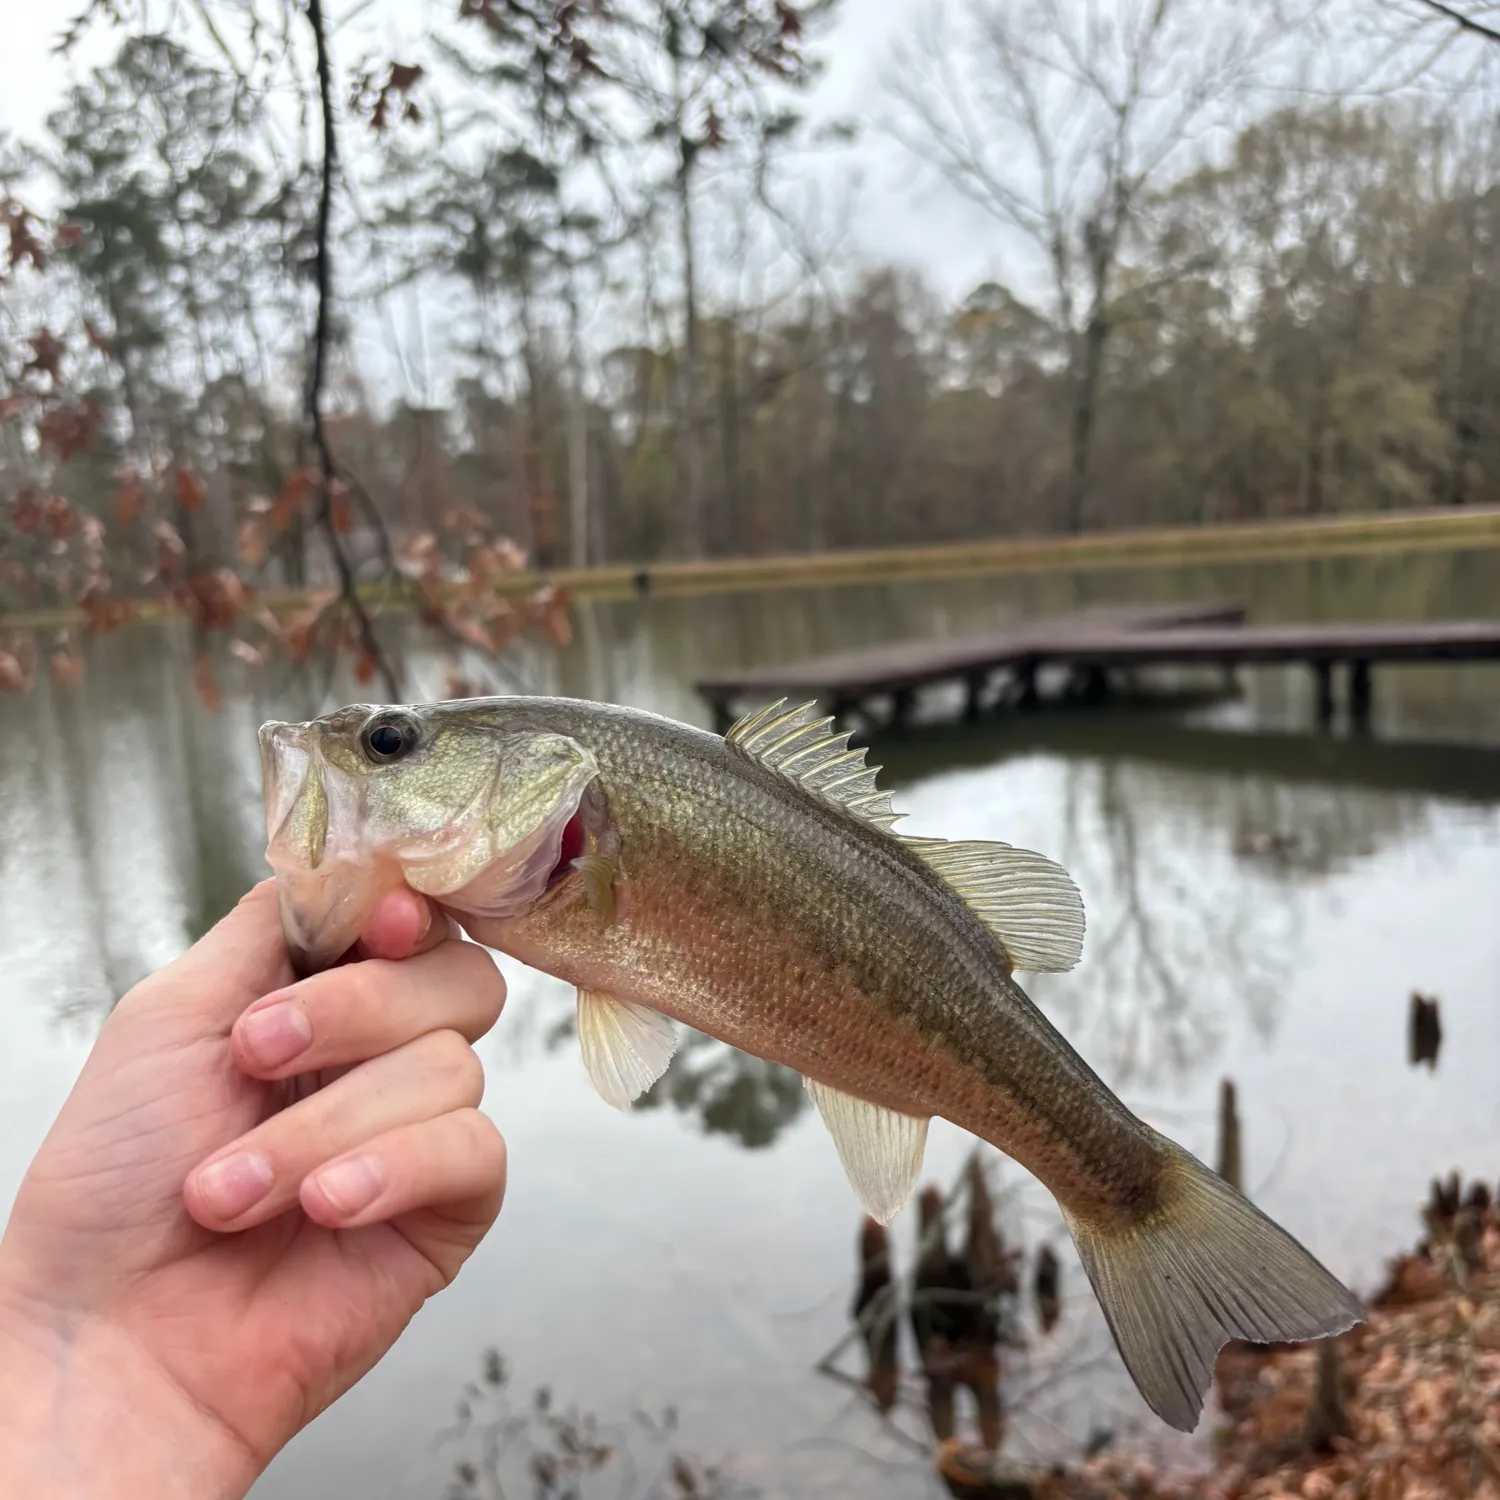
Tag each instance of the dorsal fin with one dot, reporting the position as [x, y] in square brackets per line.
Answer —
[797, 744]
[1030, 904]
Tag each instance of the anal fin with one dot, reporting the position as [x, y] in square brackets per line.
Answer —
[626, 1047]
[881, 1150]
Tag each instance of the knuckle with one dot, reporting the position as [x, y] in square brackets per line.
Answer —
[456, 1064]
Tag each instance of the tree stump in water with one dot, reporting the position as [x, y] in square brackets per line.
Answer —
[1425, 1035]
[1231, 1164]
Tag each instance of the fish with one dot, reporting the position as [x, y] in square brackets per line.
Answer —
[752, 886]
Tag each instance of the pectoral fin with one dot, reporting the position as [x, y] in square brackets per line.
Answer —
[626, 1047]
[598, 876]
[880, 1149]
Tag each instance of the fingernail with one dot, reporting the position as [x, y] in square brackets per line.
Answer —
[276, 1034]
[236, 1184]
[353, 1185]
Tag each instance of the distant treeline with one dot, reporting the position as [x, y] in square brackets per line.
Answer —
[1306, 322]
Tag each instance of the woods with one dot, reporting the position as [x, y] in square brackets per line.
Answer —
[581, 296]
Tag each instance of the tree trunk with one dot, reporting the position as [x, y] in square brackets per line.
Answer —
[1090, 360]
[578, 445]
[729, 431]
[690, 456]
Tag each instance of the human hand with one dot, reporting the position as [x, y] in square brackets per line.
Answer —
[218, 1236]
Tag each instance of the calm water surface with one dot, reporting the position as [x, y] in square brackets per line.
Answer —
[699, 1253]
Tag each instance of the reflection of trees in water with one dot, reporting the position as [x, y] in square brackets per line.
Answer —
[142, 823]
[564, 1452]
[1196, 888]
[731, 1092]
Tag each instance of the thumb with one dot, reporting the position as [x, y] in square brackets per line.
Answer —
[239, 959]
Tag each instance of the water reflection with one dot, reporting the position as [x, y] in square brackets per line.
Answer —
[561, 1451]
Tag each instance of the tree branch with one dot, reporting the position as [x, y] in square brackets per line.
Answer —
[1462, 21]
[318, 364]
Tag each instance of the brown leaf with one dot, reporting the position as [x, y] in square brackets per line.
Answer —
[550, 606]
[102, 610]
[300, 484]
[67, 234]
[340, 516]
[130, 498]
[12, 674]
[299, 633]
[26, 512]
[59, 517]
[66, 667]
[190, 491]
[206, 684]
[250, 541]
[365, 667]
[71, 429]
[25, 244]
[11, 406]
[47, 352]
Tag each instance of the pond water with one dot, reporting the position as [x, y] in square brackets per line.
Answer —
[1262, 900]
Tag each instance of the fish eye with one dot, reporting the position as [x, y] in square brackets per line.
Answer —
[388, 738]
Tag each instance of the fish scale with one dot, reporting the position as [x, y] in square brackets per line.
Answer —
[752, 887]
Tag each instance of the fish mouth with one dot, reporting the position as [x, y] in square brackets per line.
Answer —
[327, 884]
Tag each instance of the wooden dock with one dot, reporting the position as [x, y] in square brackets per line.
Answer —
[1090, 645]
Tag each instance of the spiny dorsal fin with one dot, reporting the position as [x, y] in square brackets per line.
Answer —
[1030, 904]
[797, 744]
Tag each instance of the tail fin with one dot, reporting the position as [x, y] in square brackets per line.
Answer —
[1203, 1267]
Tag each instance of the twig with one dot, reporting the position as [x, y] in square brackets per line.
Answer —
[323, 277]
[1462, 21]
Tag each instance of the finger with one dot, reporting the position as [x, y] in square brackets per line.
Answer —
[360, 1010]
[455, 1163]
[235, 961]
[258, 1176]
[403, 924]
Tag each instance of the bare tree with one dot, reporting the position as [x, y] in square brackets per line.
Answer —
[1057, 117]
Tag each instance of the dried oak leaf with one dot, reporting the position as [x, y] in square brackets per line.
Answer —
[300, 485]
[190, 491]
[66, 667]
[130, 498]
[47, 352]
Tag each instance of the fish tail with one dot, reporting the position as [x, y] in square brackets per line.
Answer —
[1201, 1267]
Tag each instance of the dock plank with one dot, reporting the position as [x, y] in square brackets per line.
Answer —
[1095, 643]
[902, 664]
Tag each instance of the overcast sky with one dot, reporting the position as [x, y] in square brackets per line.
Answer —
[900, 217]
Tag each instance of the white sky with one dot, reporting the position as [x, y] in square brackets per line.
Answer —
[901, 217]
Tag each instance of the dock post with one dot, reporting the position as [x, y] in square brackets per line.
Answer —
[1323, 678]
[903, 701]
[1359, 693]
[723, 719]
[973, 690]
[1026, 683]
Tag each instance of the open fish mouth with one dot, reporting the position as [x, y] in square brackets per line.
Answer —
[367, 799]
[328, 880]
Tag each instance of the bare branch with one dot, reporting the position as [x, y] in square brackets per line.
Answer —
[318, 364]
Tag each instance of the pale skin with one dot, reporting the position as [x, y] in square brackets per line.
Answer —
[253, 1187]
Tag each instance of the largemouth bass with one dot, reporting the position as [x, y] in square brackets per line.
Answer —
[752, 887]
